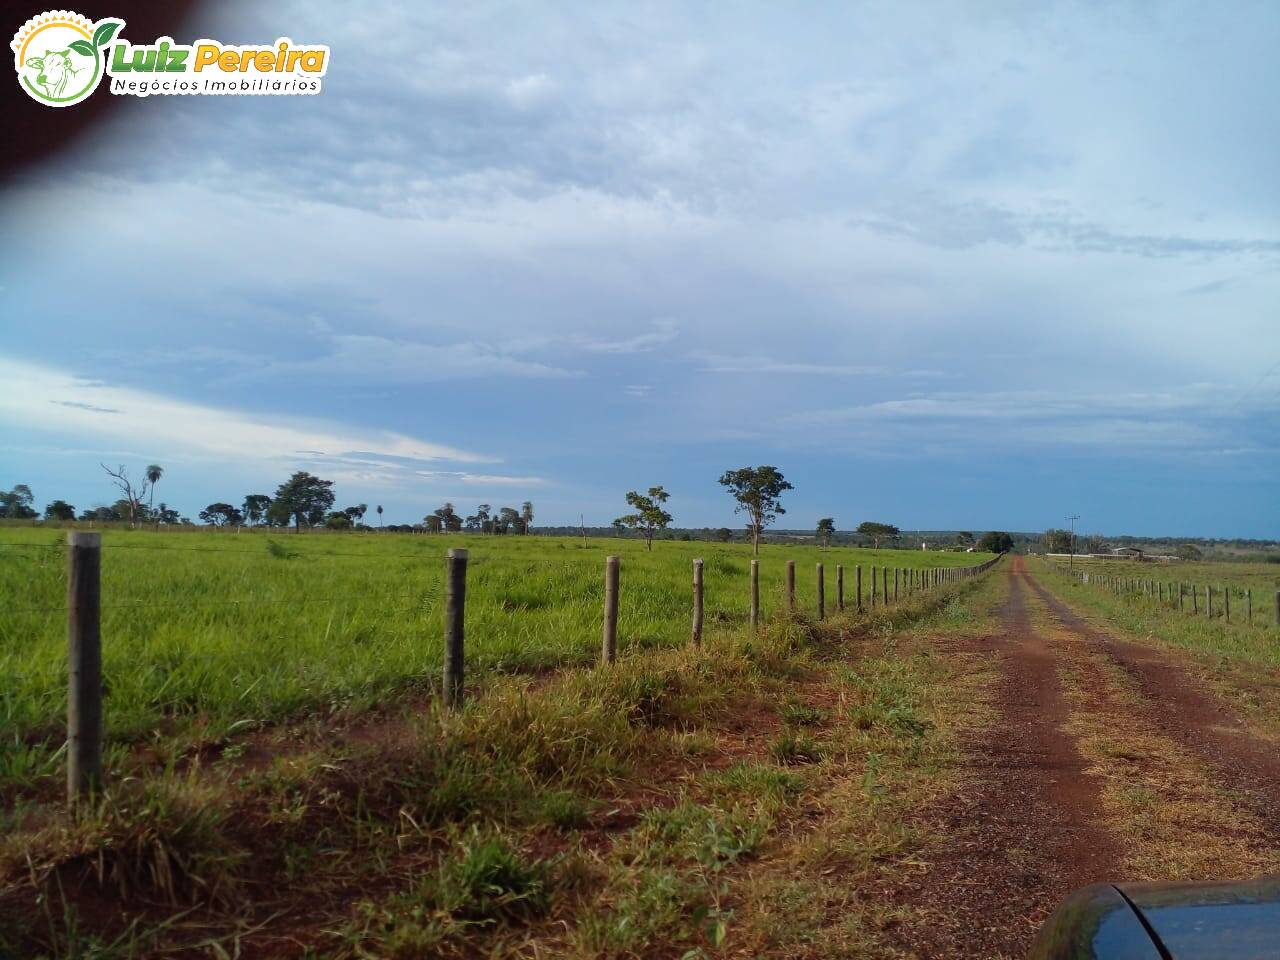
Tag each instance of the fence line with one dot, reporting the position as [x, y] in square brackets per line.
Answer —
[1162, 593]
[84, 641]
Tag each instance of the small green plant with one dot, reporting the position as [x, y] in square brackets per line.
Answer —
[801, 714]
[792, 748]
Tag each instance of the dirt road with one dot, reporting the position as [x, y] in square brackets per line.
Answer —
[1037, 820]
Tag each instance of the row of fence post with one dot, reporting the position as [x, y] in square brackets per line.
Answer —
[84, 634]
[1163, 592]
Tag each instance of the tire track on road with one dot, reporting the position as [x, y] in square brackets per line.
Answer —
[1186, 712]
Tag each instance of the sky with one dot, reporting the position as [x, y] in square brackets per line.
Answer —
[947, 265]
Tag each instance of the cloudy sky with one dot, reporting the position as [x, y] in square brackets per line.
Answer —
[964, 265]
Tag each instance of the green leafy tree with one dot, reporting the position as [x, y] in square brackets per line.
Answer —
[480, 521]
[338, 520]
[995, 541]
[724, 534]
[826, 529]
[758, 492]
[255, 507]
[17, 504]
[964, 538]
[433, 522]
[221, 515]
[508, 519]
[165, 515]
[449, 519]
[356, 514]
[59, 510]
[649, 516]
[1188, 551]
[875, 532]
[1057, 541]
[305, 498]
[153, 474]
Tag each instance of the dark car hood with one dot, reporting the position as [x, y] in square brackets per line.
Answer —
[1199, 921]
[1165, 921]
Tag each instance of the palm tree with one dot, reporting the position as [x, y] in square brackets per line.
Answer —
[379, 514]
[154, 473]
[526, 514]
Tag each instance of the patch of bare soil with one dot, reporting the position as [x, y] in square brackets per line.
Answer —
[1189, 714]
[1026, 831]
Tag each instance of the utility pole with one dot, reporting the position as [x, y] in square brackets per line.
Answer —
[1071, 559]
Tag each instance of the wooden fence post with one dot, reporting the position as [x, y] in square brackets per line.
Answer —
[1208, 601]
[873, 586]
[1248, 605]
[1278, 608]
[755, 593]
[1226, 601]
[791, 585]
[697, 603]
[840, 587]
[1179, 595]
[609, 644]
[1195, 599]
[455, 605]
[895, 584]
[857, 580]
[84, 664]
[822, 595]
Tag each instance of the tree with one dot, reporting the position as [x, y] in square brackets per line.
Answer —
[1057, 541]
[16, 504]
[356, 514]
[305, 498]
[724, 534]
[59, 510]
[1188, 551]
[826, 529]
[379, 515]
[875, 532]
[449, 518]
[758, 491]
[526, 516]
[221, 515]
[132, 495]
[338, 520]
[165, 515]
[256, 506]
[649, 517]
[995, 541]
[433, 522]
[508, 519]
[964, 538]
[479, 521]
[153, 472]
[1091, 543]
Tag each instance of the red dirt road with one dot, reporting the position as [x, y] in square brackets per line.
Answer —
[1030, 829]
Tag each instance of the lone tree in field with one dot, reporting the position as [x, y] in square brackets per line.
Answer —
[59, 510]
[379, 515]
[255, 507]
[221, 515]
[875, 532]
[16, 504]
[995, 541]
[132, 495]
[649, 517]
[305, 498]
[758, 491]
[826, 530]
[154, 473]
[526, 516]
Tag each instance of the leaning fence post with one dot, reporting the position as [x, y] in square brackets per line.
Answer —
[609, 645]
[84, 664]
[840, 587]
[822, 594]
[755, 593]
[697, 603]
[455, 605]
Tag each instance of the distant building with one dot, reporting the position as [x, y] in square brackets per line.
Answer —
[1132, 553]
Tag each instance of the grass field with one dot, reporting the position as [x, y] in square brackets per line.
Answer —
[206, 634]
[1261, 579]
[575, 812]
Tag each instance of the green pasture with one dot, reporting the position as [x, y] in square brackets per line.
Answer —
[207, 633]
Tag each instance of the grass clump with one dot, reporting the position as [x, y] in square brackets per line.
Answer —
[793, 748]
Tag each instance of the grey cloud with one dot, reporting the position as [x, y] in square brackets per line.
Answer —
[84, 406]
